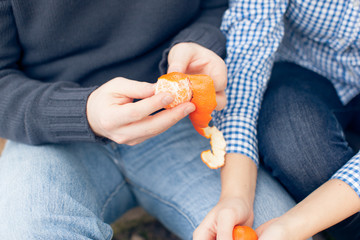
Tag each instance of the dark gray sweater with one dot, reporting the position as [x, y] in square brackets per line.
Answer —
[54, 53]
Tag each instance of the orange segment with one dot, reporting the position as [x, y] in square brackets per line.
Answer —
[177, 85]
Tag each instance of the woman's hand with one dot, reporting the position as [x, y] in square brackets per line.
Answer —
[235, 207]
[274, 229]
[331, 203]
[112, 113]
[220, 221]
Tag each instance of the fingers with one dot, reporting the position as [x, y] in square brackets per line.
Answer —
[111, 105]
[191, 58]
[206, 231]
[130, 88]
[143, 108]
[150, 126]
[220, 100]
[217, 70]
[179, 58]
[226, 222]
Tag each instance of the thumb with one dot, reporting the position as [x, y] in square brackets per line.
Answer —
[226, 222]
[179, 58]
[130, 88]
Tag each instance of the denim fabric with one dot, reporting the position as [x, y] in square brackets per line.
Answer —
[301, 133]
[74, 191]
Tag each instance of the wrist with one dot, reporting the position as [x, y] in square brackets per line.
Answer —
[293, 227]
[238, 178]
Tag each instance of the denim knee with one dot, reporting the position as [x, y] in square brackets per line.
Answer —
[300, 139]
[44, 196]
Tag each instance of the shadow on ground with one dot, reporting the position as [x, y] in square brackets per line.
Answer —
[136, 224]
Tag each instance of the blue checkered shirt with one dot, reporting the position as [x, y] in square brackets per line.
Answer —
[321, 35]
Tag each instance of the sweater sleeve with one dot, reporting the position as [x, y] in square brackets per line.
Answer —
[204, 30]
[32, 111]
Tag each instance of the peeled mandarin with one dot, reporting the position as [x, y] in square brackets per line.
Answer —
[178, 85]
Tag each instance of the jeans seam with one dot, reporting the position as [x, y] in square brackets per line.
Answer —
[166, 203]
[110, 198]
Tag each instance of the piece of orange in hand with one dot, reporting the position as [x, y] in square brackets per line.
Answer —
[200, 90]
[244, 233]
[178, 85]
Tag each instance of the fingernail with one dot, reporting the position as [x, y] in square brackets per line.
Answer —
[189, 110]
[167, 100]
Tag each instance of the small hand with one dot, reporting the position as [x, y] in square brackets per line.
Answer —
[221, 220]
[192, 58]
[112, 113]
[274, 229]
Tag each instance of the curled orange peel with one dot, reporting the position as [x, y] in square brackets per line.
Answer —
[215, 158]
[200, 90]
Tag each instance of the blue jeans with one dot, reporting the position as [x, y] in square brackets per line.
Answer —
[301, 134]
[75, 190]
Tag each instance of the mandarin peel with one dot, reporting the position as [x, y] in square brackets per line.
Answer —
[200, 90]
[215, 158]
[204, 98]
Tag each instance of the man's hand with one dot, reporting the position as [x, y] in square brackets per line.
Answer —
[112, 113]
[191, 58]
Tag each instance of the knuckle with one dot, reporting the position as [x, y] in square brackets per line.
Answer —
[152, 131]
[134, 142]
[121, 139]
[175, 118]
[221, 103]
[226, 213]
[134, 114]
[221, 83]
[118, 79]
[106, 124]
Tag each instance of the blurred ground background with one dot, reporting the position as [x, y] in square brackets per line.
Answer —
[136, 224]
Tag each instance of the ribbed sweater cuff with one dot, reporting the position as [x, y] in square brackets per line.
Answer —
[66, 114]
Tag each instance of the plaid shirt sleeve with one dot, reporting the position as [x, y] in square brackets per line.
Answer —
[254, 30]
[350, 173]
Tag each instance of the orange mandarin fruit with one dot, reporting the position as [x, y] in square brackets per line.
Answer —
[200, 90]
[178, 85]
[244, 233]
